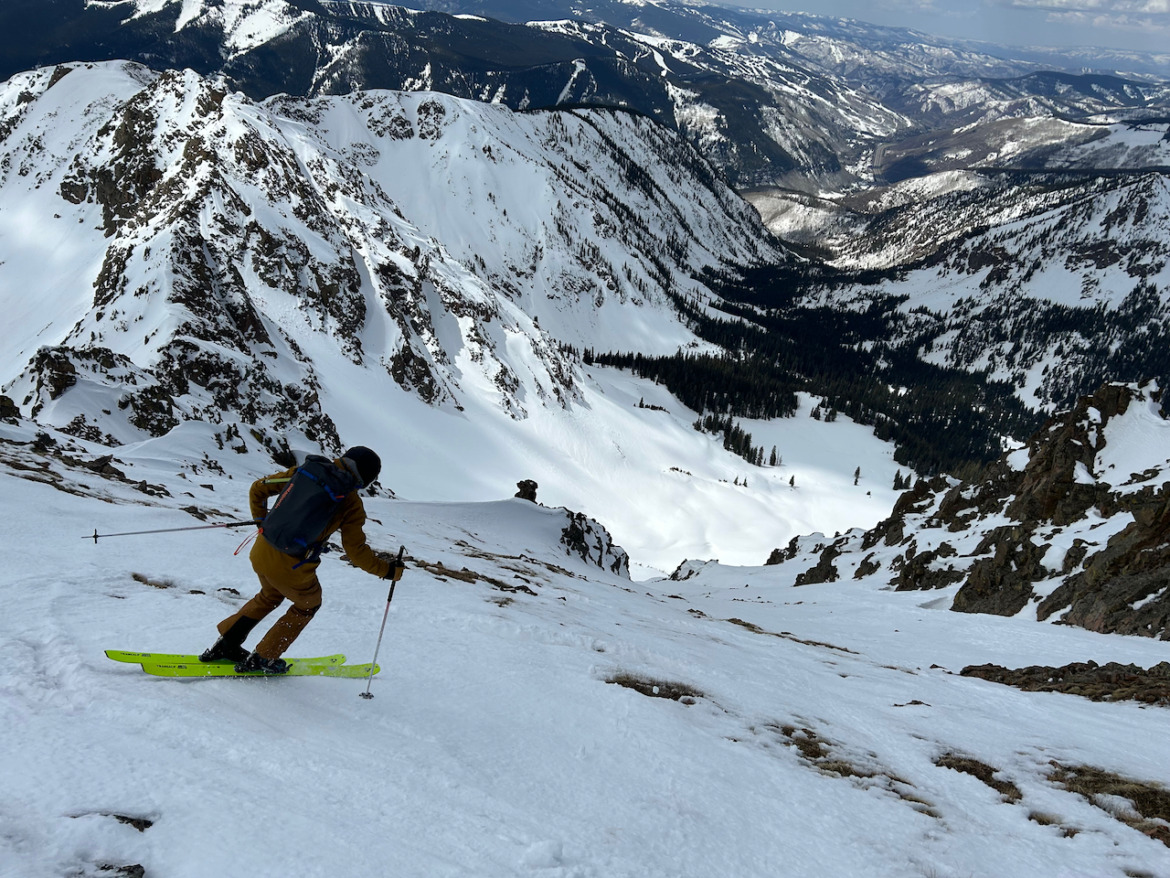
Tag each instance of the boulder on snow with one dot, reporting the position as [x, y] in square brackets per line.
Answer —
[527, 490]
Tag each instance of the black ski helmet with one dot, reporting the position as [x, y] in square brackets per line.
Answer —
[367, 463]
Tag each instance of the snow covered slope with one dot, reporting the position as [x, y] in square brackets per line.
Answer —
[821, 729]
[407, 271]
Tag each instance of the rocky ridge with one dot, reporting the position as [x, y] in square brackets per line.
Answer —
[234, 244]
[1062, 529]
[773, 99]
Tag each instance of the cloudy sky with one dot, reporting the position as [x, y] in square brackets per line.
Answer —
[1124, 24]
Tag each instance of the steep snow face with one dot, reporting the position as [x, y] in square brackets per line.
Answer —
[561, 212]
[451, 245]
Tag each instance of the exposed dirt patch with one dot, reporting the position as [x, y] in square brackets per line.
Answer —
[1143, 805]
[442, 572]
[756, 629]
[655, 688]
[153, 583]
[1109, 682]
[824, 756]
[982, 771]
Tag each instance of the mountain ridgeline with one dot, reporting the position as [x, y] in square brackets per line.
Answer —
[772, 99]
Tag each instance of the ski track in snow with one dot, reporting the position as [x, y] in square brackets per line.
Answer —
[494, 745]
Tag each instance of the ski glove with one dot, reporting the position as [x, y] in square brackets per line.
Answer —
[395, 571]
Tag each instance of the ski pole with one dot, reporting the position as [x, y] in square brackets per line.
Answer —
[168, 530]
[389, 598]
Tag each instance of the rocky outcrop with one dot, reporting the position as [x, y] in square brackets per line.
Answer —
[1055, 527]
[589, 540]
[926, 570]
[891, 531]
[824, 571]
[1057, 484]
[1002, 583]
[1125, 588]
[1059, 487]
[1109, 682]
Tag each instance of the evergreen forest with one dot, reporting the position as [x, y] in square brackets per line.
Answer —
[940, 419]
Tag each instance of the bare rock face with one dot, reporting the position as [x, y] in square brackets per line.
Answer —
[1124, 589]
[891, 531]
[824, 571]
[589, 540]
[8, 409]
[927, 570]
[1002, 584]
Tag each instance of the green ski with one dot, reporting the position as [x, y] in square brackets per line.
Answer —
[297, 668]
[166, 658]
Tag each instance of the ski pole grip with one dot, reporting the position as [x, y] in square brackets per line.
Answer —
[396, 572]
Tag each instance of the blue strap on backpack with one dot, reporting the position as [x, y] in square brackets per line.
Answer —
[297, 522]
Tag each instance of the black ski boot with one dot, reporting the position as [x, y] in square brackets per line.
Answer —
[256, 662]
[230, 646]
[224, 651]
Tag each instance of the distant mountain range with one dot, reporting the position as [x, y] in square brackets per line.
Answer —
[772, 99]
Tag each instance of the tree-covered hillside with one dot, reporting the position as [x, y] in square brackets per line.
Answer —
[941, 419]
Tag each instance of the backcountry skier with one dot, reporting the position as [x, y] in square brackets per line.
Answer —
[317, 499]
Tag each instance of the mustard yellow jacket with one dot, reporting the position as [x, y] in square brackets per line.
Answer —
[350, 519]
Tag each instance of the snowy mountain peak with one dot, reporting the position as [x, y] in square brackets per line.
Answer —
[237, 237]
[245, 24]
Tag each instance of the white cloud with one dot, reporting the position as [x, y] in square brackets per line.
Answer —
[1106, 9]
[1141, 19]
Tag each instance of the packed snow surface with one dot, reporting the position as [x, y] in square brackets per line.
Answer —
[495, 745]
